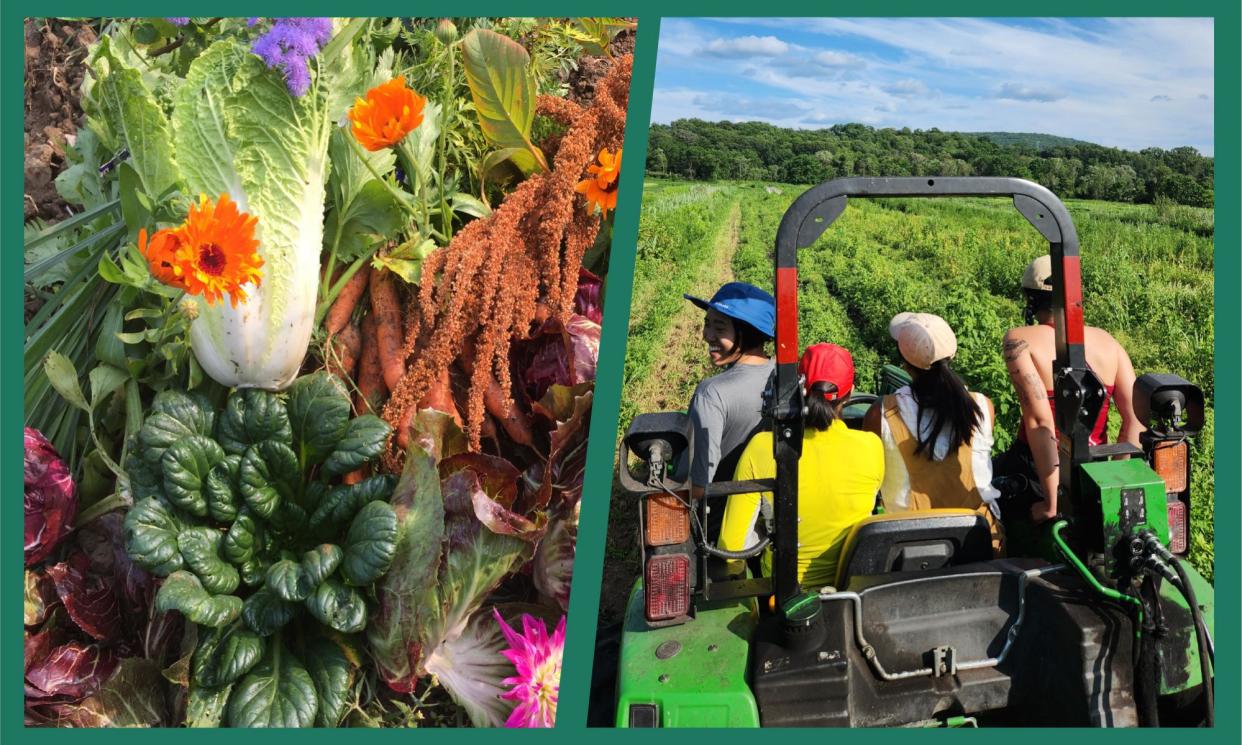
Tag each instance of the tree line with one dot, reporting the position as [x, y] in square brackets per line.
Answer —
[701, 150]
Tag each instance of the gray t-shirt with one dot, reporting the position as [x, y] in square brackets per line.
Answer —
[724, 412]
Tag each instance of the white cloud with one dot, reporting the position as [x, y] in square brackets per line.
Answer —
[746, 46]
[1020, 92]
[907, 88]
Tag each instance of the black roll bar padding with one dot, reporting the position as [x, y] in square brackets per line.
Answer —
[803, 223]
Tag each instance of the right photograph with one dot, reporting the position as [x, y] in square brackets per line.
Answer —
[917, 423]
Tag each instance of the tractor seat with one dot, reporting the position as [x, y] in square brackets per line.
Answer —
[913, 541]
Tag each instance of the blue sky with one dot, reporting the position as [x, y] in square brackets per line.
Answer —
[1124, 82]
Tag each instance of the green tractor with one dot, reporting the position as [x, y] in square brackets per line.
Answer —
[923, 627]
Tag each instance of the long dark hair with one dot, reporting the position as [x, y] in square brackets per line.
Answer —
[1036, 302]
[939, 391]
[820, 412]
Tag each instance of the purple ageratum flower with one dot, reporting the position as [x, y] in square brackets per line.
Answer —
[537, 658]
[178, 21]
[287, 46]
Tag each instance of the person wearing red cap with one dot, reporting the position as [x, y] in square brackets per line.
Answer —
[839, 472]
[937, 435]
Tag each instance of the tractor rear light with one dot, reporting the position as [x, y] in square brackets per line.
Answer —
[1171, 461]
[668, 520]
[1177, 526]
[667, 585]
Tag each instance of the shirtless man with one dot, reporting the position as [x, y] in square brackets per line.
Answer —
[1029, 353]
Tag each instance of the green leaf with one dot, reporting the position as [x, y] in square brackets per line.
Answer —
[183, 592]
[370, 544]
[364, 441]
[226, 654]
[364, 211]
[254, 571]
[319, 414]
[344, 501]
[159, 432]
[266, 613]
[288, 580]
[320, 562]
[252, 415]
[279, 692]
[503, 89]
[268, 474]
[151, 537]
[338, 606]
[186, 464]
[205, 706]
[191, 409]
[333, 677]
[64, 379]
[407, 260]
[467, 204]
[200, 548]
[105, 379]
[220, 486]
[243, 539]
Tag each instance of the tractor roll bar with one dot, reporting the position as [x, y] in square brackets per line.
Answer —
[809, 216]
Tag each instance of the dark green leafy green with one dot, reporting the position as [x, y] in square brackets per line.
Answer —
[288, 580]
[183, 592]
[363, 442]
[338, 606]
[343, 502]
[251, 416]
[320, 562]
[200, 548]
[151, 537]
[278, 692]
[266, 612]
[220, 486]
[332, 675]
[268, 474]
[186, 464]
[319, 415]
[225, 654]
[370, 544]
[243, 538]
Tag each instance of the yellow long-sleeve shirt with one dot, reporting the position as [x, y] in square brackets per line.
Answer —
[838, 476]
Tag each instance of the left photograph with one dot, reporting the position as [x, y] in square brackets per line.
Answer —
[312, 312]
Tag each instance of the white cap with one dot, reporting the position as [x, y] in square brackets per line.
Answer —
[1038, 275]
[923, 338]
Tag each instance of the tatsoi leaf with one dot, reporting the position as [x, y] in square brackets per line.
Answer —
[504, 93]
[338, 606]
[254, 571]
[185, 465]
[226, 654]
[145, 480]
[266, 613]
[200, 548]
[250, 416]
[159, 432]
[220, 487]
[277, 693]
[370, 544]
[151, 537]
[268, 474]
[64, 379]
[183, 592]
[288, 580]
[205, 706]
[333, 676]
[242, 540]
[319, 414]
[343, 502]
[364, 441]
[193, 411]
[320, 562]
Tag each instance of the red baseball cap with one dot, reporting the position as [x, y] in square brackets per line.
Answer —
[829, 363]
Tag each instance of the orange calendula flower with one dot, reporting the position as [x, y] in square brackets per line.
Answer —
[601, 188]
[389, 113]
[161, 255]
[219, 251]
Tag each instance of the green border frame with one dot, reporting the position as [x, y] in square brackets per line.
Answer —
[581, 634]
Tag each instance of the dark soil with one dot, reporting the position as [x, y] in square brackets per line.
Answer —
[55, 66]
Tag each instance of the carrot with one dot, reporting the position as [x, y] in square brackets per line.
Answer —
[439, 397]
[371, 388]
[354, 477]
[343, 307]
[515, 422]
[389, 334]
[343, 352]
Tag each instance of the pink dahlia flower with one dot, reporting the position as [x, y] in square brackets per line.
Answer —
[537, 658]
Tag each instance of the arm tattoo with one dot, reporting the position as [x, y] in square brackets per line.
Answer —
[1013, 349]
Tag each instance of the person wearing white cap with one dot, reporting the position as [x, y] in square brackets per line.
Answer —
[937, 435]
[1029, 352]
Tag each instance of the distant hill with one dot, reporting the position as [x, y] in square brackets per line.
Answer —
[1030, 139]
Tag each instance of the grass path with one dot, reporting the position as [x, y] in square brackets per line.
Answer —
[668, 386]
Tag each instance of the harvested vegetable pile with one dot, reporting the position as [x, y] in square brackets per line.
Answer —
[310, 369]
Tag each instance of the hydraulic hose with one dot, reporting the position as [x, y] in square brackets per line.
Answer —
[1090, 579]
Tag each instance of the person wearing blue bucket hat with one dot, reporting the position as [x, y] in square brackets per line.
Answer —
[726, 409]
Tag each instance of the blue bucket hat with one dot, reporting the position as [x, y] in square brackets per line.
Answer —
[742, 302]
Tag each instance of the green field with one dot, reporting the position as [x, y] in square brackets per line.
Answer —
[1147, 276]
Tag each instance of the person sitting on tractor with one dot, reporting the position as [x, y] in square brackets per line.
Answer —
[726, 409]
[937, 435]
[1029, 352]
[839, 473]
